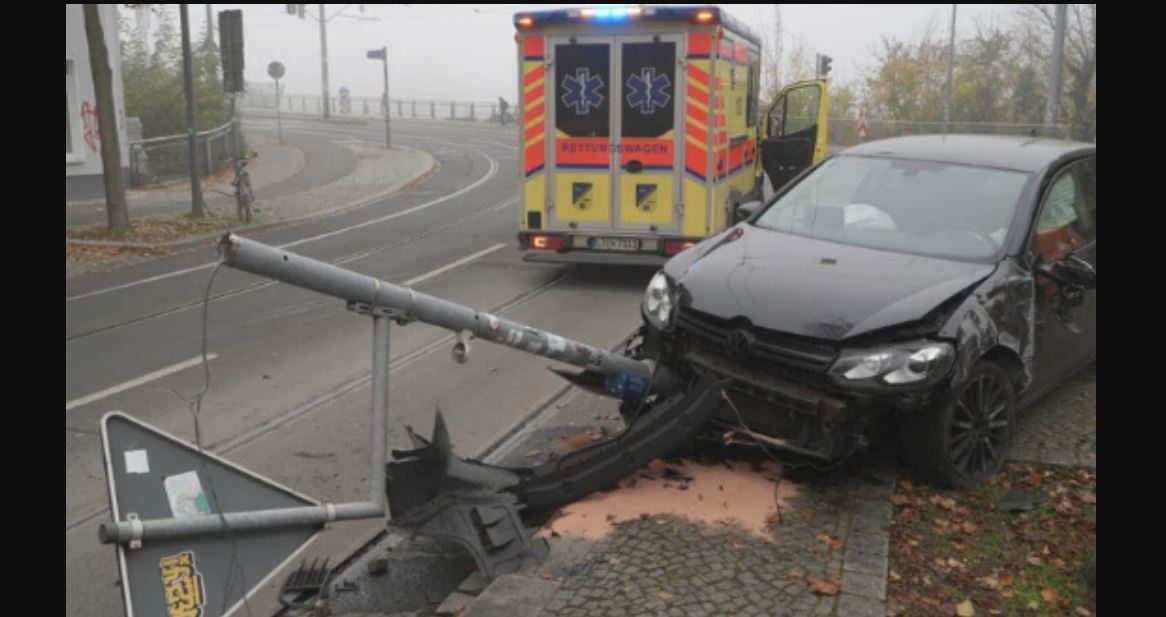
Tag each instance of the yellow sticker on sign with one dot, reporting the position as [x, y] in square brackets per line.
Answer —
[182, 584]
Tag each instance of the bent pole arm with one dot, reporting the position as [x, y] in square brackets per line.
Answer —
[403, 303]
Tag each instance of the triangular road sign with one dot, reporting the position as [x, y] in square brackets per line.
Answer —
[153, 475]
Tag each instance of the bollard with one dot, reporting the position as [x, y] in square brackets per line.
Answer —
[471, 111]
[432, 110]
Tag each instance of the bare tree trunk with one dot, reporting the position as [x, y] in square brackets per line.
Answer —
[115, 188]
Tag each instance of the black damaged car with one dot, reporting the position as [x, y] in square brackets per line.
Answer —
[932, 285]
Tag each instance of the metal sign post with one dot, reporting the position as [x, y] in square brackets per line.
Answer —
[383, 55]
[275, 70]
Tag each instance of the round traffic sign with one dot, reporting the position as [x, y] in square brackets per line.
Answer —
[275, 69]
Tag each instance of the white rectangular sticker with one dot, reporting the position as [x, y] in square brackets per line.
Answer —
[184, 491]
[137, 461]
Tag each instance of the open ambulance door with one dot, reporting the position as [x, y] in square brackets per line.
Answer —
[794, 131]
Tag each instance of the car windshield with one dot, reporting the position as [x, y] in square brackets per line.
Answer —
[921, 207]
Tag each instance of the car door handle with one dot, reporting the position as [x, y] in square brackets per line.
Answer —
[633, 167]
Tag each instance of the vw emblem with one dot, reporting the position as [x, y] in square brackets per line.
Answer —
[739, 343]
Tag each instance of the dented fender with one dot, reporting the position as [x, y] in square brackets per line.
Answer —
[1000, 312]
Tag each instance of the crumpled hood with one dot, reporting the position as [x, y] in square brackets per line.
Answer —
[814, 287]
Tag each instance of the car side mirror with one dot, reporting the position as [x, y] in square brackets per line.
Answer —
[1073, 275]
[745, 210]
[1074, 270]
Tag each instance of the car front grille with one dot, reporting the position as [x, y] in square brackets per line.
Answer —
[789, 356]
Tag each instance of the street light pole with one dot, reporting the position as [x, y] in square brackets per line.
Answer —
[324, 61]
[950, 67]
[385, 63]
[1052, 104]
[196, 205]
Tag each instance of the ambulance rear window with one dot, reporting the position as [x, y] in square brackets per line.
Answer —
[649, 80]
[582, 105]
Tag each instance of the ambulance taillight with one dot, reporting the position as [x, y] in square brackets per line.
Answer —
[546, 242]
[672, 247]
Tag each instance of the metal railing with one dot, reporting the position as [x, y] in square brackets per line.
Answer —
[841, 131]
[844, 131]
[159, 159]
[373, 107]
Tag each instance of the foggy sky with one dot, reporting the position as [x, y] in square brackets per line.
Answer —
[467, 52]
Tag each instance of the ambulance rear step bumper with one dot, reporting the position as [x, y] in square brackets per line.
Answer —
[595, 258]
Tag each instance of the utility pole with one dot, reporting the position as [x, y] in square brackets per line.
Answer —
[1052, 105]
[210, 27]
[142, 22]
[324, 61]
[950, 68]
[197, 209]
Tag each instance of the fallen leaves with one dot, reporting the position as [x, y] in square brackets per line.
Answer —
[834, 543]
[823, 586]
[956, 552]
[795, 574]
[665, 595]
[946, 503]
[988, 582]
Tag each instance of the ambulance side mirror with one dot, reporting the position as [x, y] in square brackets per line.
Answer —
[745, 210]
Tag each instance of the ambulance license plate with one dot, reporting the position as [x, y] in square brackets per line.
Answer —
[613, 244]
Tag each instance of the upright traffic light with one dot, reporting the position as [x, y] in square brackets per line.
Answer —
[824, 63]
[231, 44]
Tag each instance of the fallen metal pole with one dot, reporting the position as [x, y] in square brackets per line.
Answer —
[384, 301]
[206, 524]
[404, 304]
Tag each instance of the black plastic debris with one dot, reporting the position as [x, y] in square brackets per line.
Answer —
[305, 583]
[1020, 500]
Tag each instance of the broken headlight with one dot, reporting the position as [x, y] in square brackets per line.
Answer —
[659, 301]
[910, 363]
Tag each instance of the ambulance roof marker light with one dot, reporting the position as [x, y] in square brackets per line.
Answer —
[611, 12]
[705, 16]
[525, 21]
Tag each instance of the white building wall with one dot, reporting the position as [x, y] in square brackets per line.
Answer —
[82, 141]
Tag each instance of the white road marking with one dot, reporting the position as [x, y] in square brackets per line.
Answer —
[490, 174]
[349, 259]
[133, 383]
[452, 265]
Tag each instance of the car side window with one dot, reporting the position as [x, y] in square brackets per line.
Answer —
[1066, 219]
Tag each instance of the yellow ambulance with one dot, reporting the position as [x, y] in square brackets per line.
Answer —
[639, 130]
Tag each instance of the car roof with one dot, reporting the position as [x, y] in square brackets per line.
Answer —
[1028, 154]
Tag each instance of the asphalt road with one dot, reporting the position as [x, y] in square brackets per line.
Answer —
[289, 396]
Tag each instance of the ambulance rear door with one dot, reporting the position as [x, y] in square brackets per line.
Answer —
[579, 169]
[648, 140]
[612, 167]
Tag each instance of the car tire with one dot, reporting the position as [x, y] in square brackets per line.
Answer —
[964, 438]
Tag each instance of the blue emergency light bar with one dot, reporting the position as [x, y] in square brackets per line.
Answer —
[618, 14]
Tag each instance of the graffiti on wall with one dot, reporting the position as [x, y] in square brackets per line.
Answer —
[89, 125]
